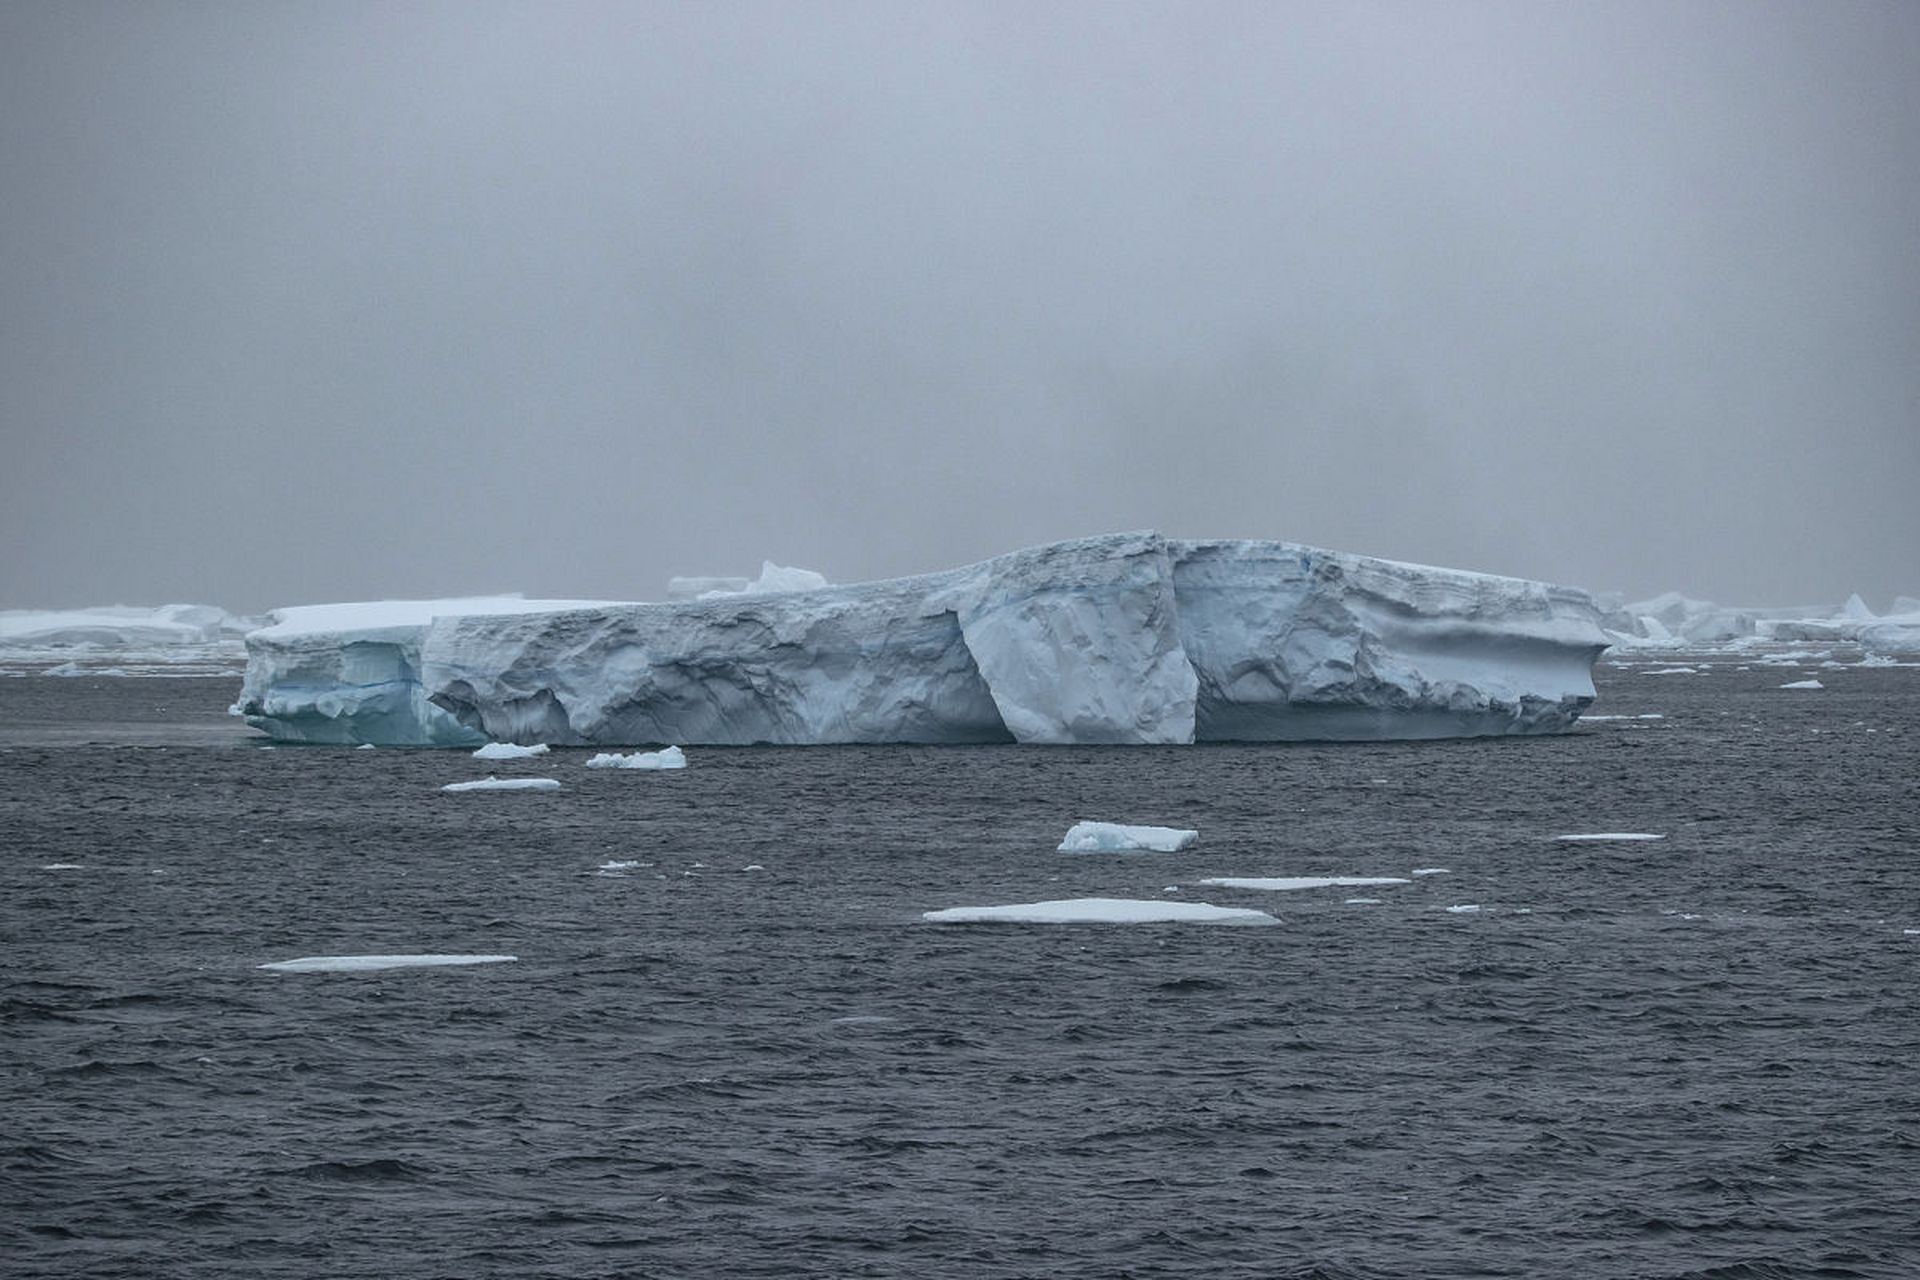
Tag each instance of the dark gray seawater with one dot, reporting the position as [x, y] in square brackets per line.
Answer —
[1694, 1057]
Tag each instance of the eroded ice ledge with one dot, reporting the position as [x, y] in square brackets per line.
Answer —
[1125, 638]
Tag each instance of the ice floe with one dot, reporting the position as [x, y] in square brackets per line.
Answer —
[491, 783]
[1673, 671]
[1601, 836]
[670, 758]
[1288, 883]
[509, 751]
[1803, 684]
[1100, 911]
[1115, 837]
[1428, 871]
[355, 964]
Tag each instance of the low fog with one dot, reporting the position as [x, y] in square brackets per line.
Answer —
[307, 301]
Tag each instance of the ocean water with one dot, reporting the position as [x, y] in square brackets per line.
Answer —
[729, 1046]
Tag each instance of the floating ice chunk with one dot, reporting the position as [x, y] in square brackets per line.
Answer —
[670, 758]
[621, 866]
[1115, 837]
[354, 964]
[1655, 715]
[1464, 908]
[1285, 883]
[1100, 911]
[509, 751]
[62, 866]
[1672, 671]
[491, 783]
[365, 746]
[1599, 836]
[1362, 902]
[1428, 871]
[1803, 684]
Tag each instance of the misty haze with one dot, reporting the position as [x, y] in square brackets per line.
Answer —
[356, 301]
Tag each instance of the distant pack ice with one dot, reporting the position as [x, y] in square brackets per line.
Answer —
[1125, 638]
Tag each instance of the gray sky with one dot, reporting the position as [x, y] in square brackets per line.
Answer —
[313, 301]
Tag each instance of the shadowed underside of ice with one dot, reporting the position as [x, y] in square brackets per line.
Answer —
[1101, 911]
[1126, 638]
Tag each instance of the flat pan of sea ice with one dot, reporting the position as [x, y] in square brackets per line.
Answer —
[1804, 684]
[670, 758]
[1100, 911]
[1598, 836]
[1114, 837]
[357, 964]
[505, 784]
[1300, 882]
[509, 751]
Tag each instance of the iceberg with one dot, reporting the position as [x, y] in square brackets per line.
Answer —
[347, 674]
[1127, 638]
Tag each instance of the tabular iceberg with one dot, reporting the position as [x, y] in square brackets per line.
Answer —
[1125, 638]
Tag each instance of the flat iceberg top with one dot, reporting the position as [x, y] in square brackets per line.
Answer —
[1115, 837]
[357, 964]
[1101, 911]
[294, 621]
[505, 784]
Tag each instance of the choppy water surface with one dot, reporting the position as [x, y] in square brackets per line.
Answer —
[741, 1053]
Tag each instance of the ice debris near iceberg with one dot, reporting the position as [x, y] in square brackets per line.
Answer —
[1115, 837]
[1101, 911]
[670, 758]
[1673, 621]
[1125, 638]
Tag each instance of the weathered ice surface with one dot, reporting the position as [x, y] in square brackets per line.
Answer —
[1126, 638]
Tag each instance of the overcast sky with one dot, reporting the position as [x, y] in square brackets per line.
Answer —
[316, 301]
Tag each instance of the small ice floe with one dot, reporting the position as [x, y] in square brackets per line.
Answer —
[753, 866]
[1596, 837]
[1910, 933]
[1286, 883]
[365, 746]
[491, 783]
[358, 964]
[670, 758]
[1100, 911]
[1464, 908]
[1803, 684]
[63, 866]
[615, 866]
[1362, 902]
[1673, 671]
[1115, 837]
[1428, 871]
[509, 751]
[1653, 715]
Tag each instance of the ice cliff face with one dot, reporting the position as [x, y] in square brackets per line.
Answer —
[1129, 638]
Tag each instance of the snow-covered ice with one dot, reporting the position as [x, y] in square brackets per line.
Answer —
[1124, 638]
[350, 964]
[491, 783]
[1803, 684]
[1428, 871]
[509, 751]
[1100, 911]
[1115, 837]
[669, 758]
[1602, 836]
[1289, 883]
